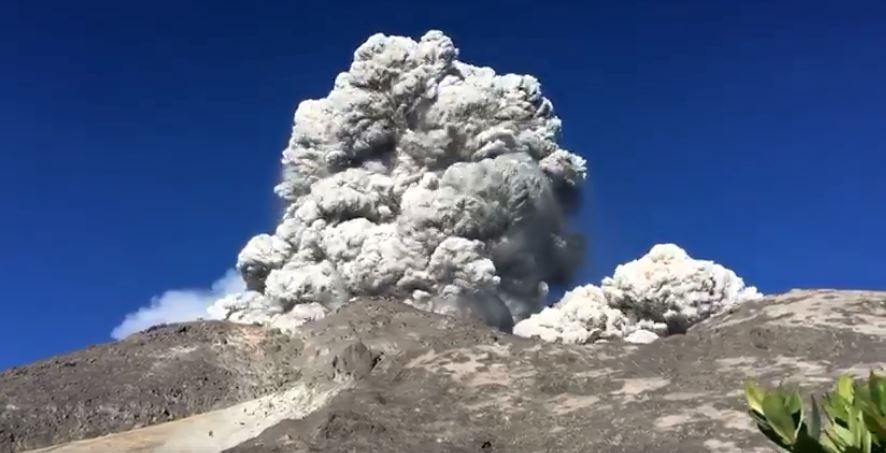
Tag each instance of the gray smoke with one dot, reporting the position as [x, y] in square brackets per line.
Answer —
[419, 177]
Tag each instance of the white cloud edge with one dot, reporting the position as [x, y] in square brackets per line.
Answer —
[178, 305]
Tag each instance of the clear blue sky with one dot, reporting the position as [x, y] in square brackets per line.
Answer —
[139, 141]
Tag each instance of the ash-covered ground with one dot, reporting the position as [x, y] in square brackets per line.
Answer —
[382, 376]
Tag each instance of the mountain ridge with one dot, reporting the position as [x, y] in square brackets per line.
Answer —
[388, 377]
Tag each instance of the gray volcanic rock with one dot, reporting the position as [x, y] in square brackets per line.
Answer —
[404, 380]
[163, 374]
[448, 386]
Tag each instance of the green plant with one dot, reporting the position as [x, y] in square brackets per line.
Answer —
[855, 414]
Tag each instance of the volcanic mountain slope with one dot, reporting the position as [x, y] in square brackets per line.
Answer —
[381, 376]
[160, 375]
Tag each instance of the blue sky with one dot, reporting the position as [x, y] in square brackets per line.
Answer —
[139, 144]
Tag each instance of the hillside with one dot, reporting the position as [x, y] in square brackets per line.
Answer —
[381, 376]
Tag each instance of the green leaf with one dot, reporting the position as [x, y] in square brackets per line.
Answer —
[845, 389]
[836, 408]
[794, 405]
[776, 410]
[840, 437]
[754, 395]
[864, 438]
[815, 421]
[793, 402]
[828, 441]
[829, 444]
[877, 386]
[861, 437]
[876, 424]
[854, 412]
[863, 396]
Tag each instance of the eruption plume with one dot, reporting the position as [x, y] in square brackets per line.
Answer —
[422, 178]
[664, 292]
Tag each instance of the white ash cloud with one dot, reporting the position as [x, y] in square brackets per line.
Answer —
[422, 178]
[581, 316]
[662, 293]
[251, 307]
[668, 286]
[179, 305]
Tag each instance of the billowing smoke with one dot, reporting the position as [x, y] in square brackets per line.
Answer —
[179, 305]
[662, 293]
[422, 178]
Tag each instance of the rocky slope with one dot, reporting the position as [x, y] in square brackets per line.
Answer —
[160, 375]
[380, 376]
